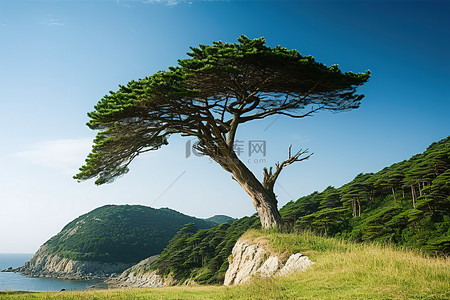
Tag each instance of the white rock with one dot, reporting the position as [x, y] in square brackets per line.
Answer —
[245, 262]
[249, 259]
[150, 279]
[140, 275]
[295, 262]
[269, 267]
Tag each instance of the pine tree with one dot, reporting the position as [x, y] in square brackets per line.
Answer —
[207, 96]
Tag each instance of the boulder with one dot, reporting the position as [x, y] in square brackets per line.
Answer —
[254, 259]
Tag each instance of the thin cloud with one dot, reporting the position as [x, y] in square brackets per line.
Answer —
[65, 155]
[125, 3]
[52, 21]
[167, 2]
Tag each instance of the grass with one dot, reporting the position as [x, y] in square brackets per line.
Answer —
[342, 270]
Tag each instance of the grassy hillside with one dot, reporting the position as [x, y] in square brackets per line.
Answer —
[120, 233]
[373, 207]
[201, 254]
[407, 203]
[342, 270]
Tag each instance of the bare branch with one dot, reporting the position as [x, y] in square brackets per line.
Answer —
[270, 177]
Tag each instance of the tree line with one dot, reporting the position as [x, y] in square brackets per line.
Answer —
[405, 204]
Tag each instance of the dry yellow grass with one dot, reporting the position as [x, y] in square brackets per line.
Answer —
[342, 270]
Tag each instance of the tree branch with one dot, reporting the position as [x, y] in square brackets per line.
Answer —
[277, 110]
[270, 177]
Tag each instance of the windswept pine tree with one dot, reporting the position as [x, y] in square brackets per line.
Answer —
[202, 254]
[208, 96]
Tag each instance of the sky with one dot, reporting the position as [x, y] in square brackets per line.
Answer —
[59, 58]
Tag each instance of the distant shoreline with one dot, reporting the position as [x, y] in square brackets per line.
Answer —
[15, 281]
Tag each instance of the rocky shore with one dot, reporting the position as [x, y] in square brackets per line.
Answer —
[250, 258]
[141, 275]
[45, 264]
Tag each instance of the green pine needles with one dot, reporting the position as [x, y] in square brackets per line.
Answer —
[216, 82]
[207, 96]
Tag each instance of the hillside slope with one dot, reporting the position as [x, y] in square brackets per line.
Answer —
[119, 233]
[342, 270]
[107, 240]
[195, 254]
[405, 204]
[220, 219]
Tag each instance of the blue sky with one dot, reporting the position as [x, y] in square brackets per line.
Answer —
[58, 58]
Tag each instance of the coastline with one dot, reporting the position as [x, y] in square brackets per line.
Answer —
[12, 280]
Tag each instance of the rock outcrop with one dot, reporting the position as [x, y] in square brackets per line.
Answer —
[147, 279]
[255, 259]
[141, 275]
[45, 264]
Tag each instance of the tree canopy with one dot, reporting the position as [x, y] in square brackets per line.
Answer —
[207, 96]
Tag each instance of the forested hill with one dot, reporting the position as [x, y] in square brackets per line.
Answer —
[407, 203]
[120, 233]
[220, 219]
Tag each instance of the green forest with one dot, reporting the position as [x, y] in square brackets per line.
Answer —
[202, 254]
[120, 233]
[405, 204]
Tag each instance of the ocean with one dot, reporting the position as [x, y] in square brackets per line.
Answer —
[18, 282]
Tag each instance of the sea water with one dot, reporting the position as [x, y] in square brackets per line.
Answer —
[17, 282]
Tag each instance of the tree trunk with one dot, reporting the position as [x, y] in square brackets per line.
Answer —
[413, 194]
[263, 200]
[393, 193]
[353, 207]
[359, 207]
